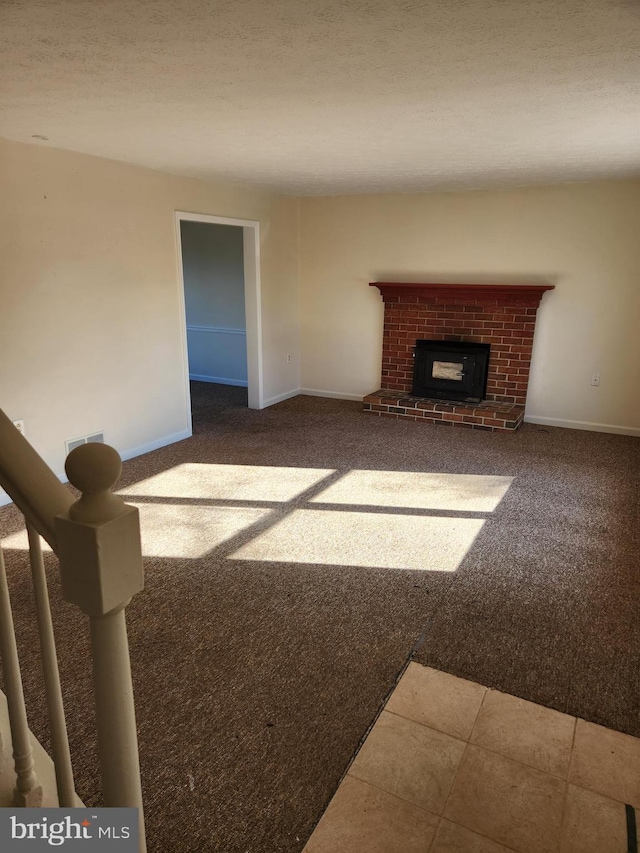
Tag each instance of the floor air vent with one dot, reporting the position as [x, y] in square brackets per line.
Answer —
[86, 439]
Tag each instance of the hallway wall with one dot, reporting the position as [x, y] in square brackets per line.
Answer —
[213, 270]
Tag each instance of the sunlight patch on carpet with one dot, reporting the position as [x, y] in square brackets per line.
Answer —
[191, 531]
[371, 540]
[228, 482]
[458, 492]
[20, 542]
[176, 530]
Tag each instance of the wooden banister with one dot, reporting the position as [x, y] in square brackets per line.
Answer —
[30, 483]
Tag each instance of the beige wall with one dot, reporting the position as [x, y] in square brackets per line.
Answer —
[90, 320]
[582, 237]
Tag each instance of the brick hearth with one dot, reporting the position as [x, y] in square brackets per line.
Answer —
[485, 415]
[503, 316]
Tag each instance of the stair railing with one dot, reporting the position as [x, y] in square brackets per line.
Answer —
[97, 542]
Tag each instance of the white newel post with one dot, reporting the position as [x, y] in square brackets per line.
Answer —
[101, 569]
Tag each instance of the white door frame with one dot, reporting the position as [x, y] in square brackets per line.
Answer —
[252, 302]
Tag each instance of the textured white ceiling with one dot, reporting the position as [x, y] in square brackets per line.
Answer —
[331, 96]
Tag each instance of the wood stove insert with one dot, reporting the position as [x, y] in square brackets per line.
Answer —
[450, 370]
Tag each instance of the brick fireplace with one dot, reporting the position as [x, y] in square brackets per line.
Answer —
[503, 316]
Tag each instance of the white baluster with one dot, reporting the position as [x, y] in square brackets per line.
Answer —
[53, 690]
[28, 790]
[101, 569]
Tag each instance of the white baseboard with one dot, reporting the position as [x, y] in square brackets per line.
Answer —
[219, 380]
[154, 445]
[333, 395]
[587, 425]
[280, 397]
[124, 455]
[312, 392]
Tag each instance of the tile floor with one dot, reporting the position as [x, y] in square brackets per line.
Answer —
[452, 766]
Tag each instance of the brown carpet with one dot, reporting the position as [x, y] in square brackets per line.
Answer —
[257, 678]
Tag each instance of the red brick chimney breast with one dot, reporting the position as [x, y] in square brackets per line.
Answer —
[501, 315]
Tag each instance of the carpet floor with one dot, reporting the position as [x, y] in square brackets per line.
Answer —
[291, 575]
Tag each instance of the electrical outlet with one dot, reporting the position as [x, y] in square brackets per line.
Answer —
[595, 379]
[19, 425]
[288, 358]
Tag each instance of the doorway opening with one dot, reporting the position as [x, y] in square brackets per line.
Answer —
[218, 260]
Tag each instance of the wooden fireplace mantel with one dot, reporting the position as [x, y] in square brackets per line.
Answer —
[508, 293]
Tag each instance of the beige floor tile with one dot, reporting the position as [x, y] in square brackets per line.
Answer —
[537, 736]
[593, 824]
[411, 761]
[507, 802]
[452, 838]
[437, 699]
[607, 762]
[362, 819]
